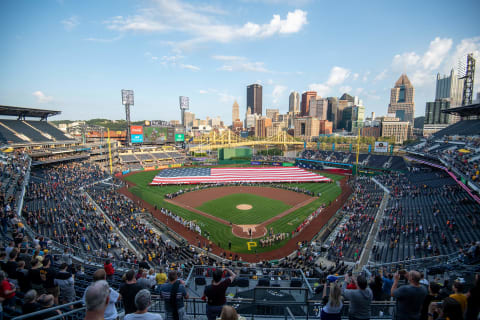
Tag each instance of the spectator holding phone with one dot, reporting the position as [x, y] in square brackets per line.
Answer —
[332, 308]
[409, 297]
[360, 299]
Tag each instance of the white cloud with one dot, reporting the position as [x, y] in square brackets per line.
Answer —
[70, 23]
[236, 63]
[422, 77]
[189, 67]
[225, 97]
[355, 76]
[381, 75]
[201, 23]
[412, 62]
[41, 97]
[469, 45]
[337, 76]
[345, 89]
[277, 93]
[320, 88]
[436, 53]
[150, 56]
[365, 76]
[104, 40]
[405, 60]
[358, 91]
[203, 91]
[228, 58]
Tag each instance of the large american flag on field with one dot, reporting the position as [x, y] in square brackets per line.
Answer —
[228, 175]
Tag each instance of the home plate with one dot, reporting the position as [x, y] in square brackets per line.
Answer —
[249, 231]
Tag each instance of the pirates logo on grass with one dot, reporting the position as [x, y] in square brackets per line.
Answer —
[251, 245]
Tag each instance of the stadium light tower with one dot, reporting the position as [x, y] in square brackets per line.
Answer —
[184, 105]
[468, 77]
[127, 101]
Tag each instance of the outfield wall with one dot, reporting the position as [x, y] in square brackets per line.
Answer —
[229, 153]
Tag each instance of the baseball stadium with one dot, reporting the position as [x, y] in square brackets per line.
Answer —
[282, 221]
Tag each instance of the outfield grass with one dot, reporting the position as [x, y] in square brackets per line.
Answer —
[262, 208]
[220, 233]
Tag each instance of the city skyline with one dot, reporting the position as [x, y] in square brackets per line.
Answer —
[76, 56]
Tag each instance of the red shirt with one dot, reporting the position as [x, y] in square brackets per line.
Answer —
[6, 285]
[109, 270]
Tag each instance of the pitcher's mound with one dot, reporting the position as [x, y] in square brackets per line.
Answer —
[244, 207]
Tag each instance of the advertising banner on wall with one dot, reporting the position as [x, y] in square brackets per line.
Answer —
[137, 138]
[136, 129]
[381, 146]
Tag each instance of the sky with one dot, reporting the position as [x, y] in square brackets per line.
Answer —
[76, 56]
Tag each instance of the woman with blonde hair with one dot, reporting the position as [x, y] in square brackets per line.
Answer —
[229, 313]
[331, 309]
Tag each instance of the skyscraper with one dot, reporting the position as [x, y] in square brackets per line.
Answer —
[306, 96]
[449, 87]
[235, 112]
[272, 114]
[332, 111]
[318, 108]
[294, 103]
[402, 99]
[254, 98]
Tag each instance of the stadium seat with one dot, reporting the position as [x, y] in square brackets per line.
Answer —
[296, 283]
[243, 282]
[200, 281]
[264, 282]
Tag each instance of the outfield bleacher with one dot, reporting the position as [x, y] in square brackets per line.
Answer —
[23, 128]
[49, 129]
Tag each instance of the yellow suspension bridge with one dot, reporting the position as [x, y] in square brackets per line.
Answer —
[229, 139]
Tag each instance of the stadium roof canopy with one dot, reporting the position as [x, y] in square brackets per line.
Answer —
[465, 111]
[21, 112]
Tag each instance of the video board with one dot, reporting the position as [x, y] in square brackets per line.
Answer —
[158, 135]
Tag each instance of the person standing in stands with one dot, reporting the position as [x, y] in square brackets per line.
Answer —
[459, 295]
[473, 308]
[215, 293]
[109, 269]
[143, 300]
[7, 291]
[433, 296]
[387, 284]
[144, 264]
[173, 292]
[65, 282]
[409, 297]
[129, 290]
[97, 298]
[111, 311]
[50, 274]
[360, 299]
[334, 305]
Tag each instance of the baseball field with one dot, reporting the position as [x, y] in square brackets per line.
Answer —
[238, 214]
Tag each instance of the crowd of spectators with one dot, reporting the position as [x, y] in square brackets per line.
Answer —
[462, 154]
[360, 212]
